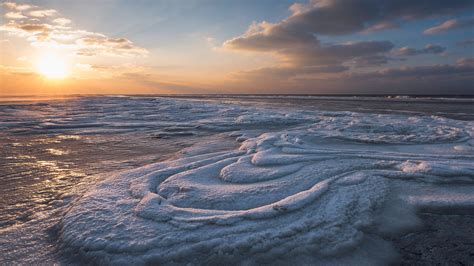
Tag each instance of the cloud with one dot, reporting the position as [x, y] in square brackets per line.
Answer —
[335, 17]
[34, 27]
[83, 67]
[428, 49]
[299, 47]
[465, 62]
[465, 42]
[431, 79]
[43, 13]
[438, 71]
[294, 40]
[15, 6]
[26, 29]
[42, 28]
[267, 37]
[62, 21]
[338, 54]
[381, 26]
[428, 79]
[450, 25]
[289, 72]
[371, 61]
[103, 45]
[12, 70]
[14, 15]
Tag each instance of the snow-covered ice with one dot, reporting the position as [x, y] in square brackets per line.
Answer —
[298, 186]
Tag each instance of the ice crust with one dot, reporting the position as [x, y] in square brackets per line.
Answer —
[310, 190]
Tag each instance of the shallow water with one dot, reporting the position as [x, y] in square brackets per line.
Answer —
[55, 150]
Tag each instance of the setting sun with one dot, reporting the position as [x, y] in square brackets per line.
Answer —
[52, 67]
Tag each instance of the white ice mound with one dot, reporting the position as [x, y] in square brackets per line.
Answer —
[279, 198]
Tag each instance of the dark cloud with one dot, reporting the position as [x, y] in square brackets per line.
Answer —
[465, 62]
[436, 79]
[294, 39]
[462, 68]
[35, 31]
[100, 44]
[34, 27]
[466, 42]
[332, 17]
[433, 49]
[120, 43]
[266, 37]
[371, 61]
[422, 72]
[417, 9]
[428, 49]
[25, 27]
[450, 25]
[333, 54]
[301, 48]
[288, 72]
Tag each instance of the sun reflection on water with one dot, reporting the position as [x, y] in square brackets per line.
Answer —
[37, 178]
[57, 152]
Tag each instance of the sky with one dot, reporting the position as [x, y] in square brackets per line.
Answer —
[230, 46]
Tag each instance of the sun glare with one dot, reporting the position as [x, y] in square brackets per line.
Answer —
[52, 67]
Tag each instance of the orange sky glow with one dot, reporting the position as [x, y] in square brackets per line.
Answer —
[160, 47]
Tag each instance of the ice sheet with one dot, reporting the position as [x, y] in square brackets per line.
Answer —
[302, 187]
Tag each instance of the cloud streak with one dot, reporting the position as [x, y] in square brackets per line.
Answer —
[428, 49]
[42, 13]
[451, 25]
[14, 15]
[466, 42]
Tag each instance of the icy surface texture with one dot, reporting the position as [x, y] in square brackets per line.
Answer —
[311, 189]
